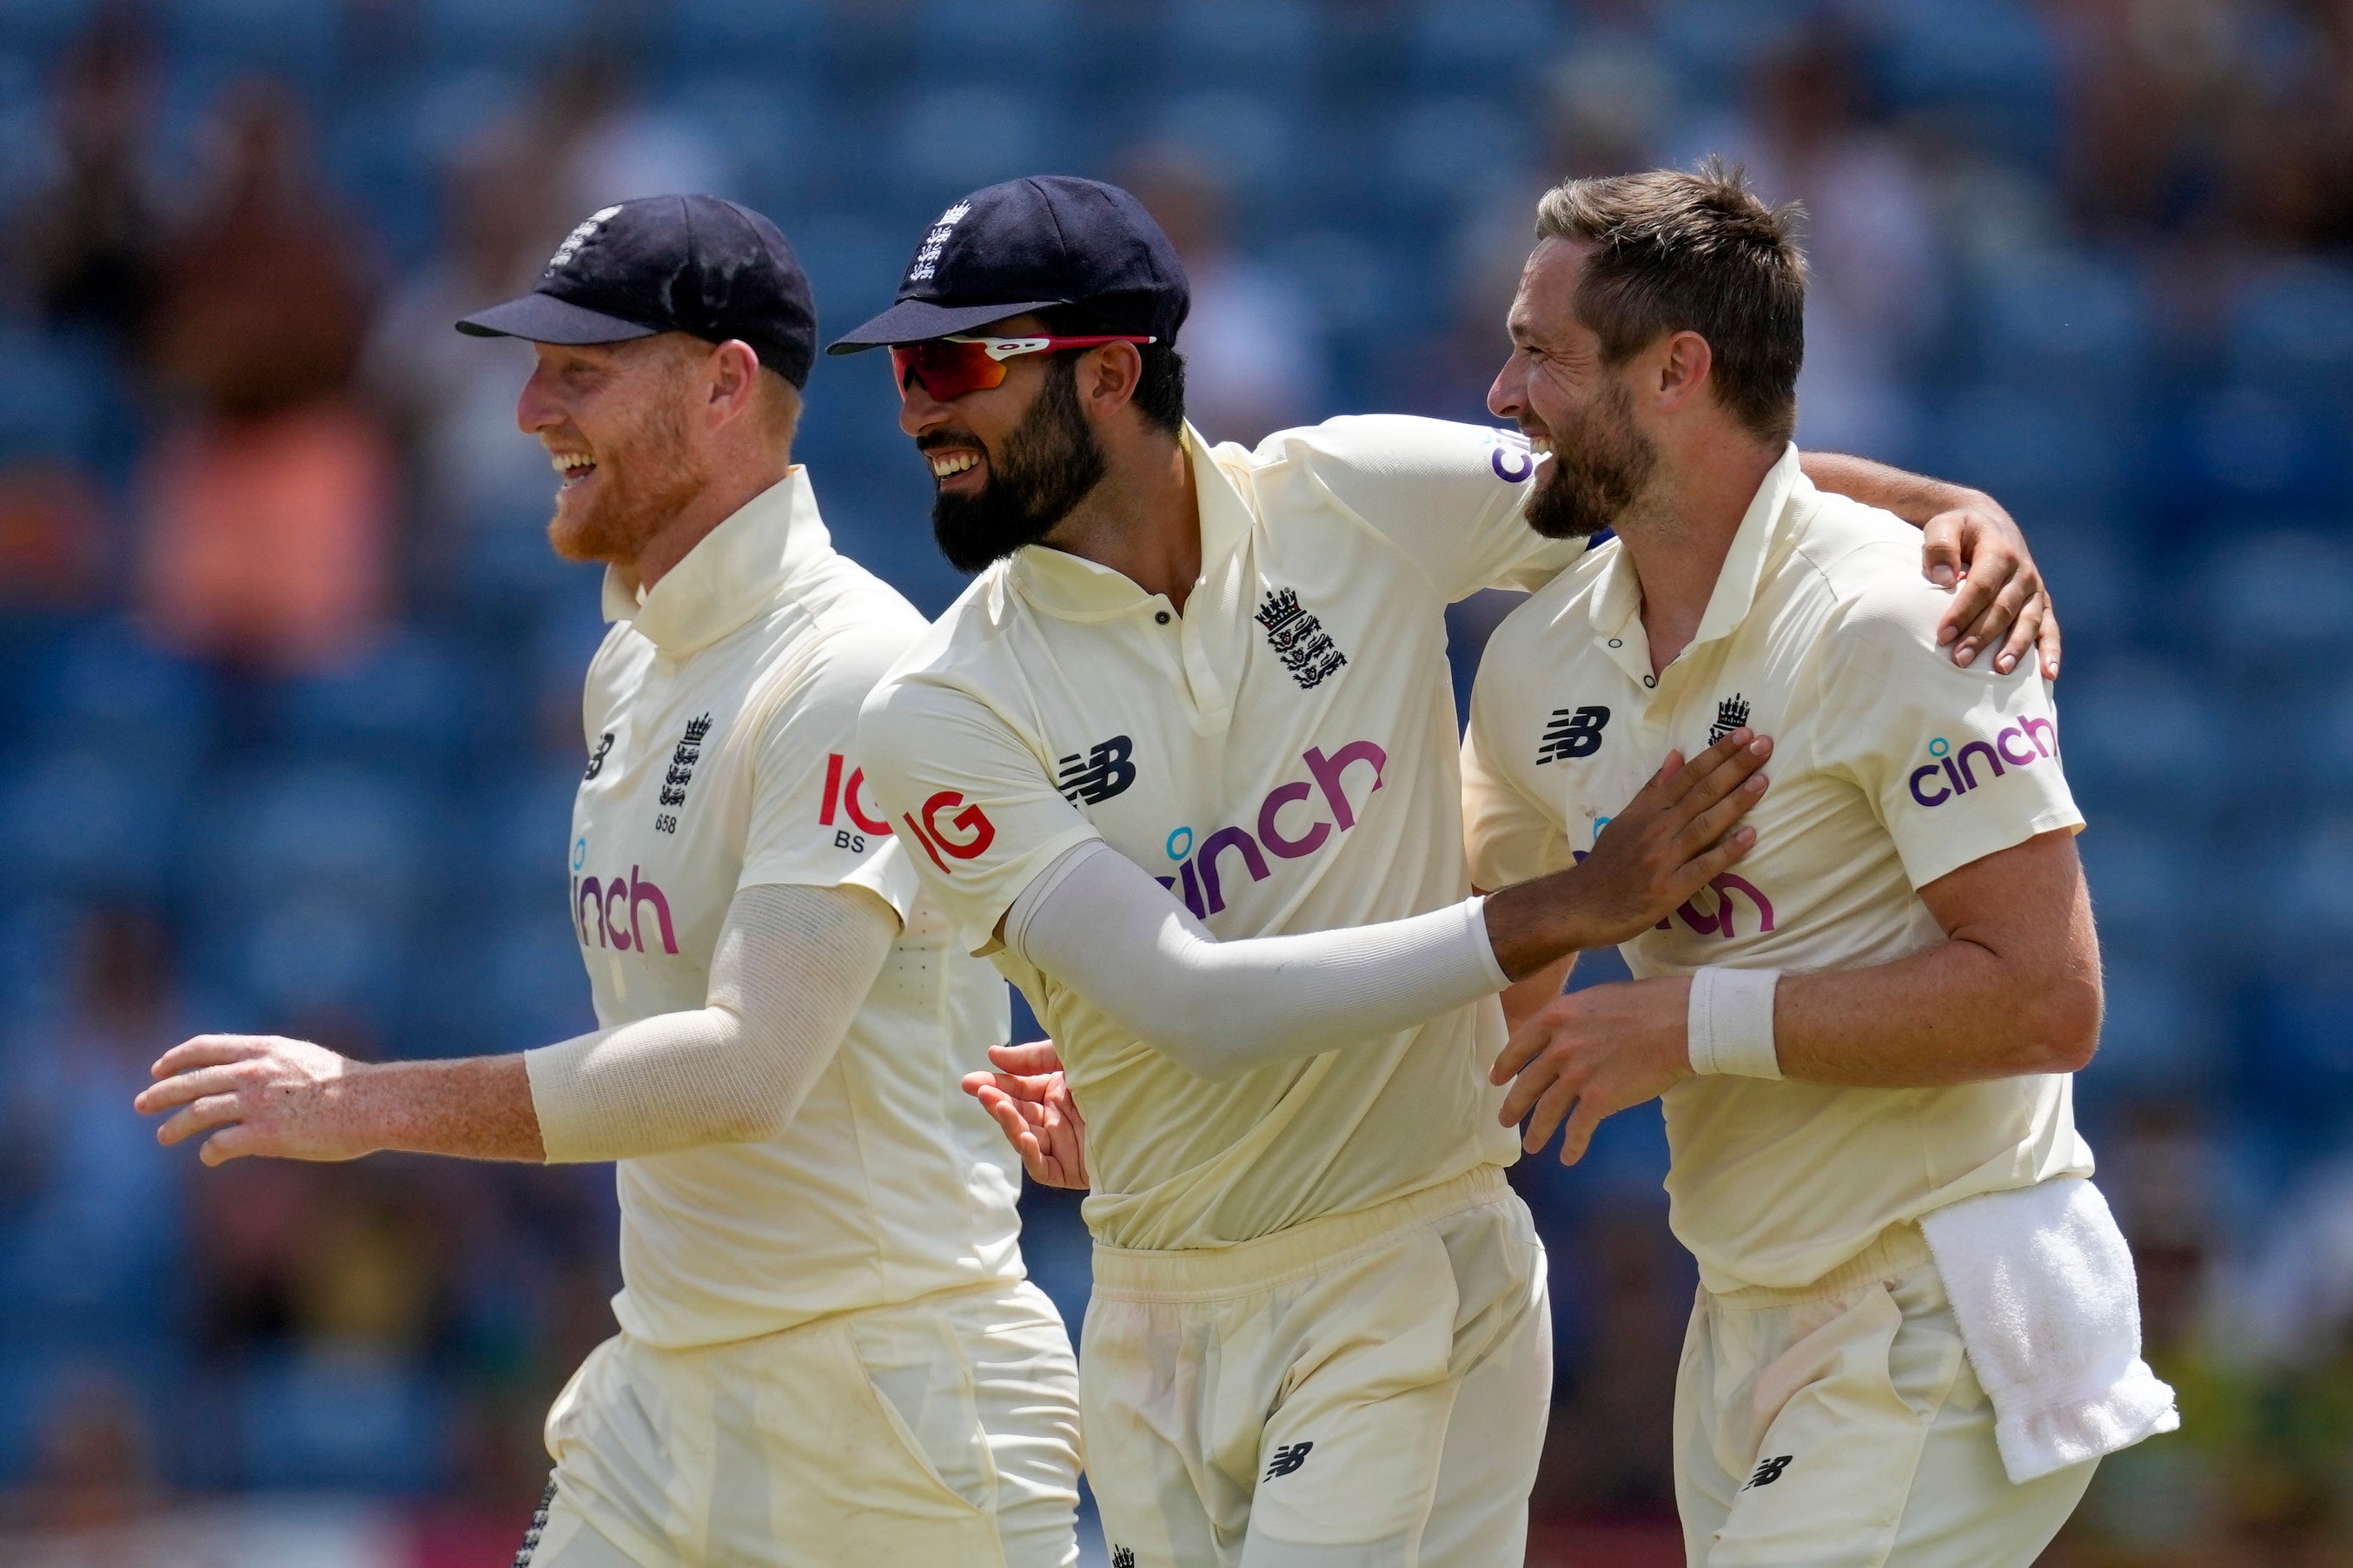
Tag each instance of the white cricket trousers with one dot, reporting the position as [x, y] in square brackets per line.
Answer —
[1839, 1425]
[941, 1431]
[1362, 1391]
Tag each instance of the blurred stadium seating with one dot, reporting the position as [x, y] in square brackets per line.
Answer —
[2105, 272]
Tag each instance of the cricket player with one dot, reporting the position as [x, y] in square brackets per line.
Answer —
[828, 1354]
[1194, 714]
[1915, 1331]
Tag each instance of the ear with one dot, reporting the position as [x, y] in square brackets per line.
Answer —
[731, 380]
[1108, 377]
[1683, 363]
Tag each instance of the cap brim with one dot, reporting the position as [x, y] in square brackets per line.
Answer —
[913, 320]
[544, 319]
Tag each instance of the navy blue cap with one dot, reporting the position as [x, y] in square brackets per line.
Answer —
[1028, 245]
[670, 264]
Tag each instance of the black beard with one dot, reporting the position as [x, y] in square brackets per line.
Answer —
[1047, 465]
[1599, 470]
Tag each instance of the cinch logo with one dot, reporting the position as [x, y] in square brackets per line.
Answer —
[1204, 895]
[1511, 459]
[975, 833]
[840, 797]
[2035, 740]
[604, 907]
[1724, 921]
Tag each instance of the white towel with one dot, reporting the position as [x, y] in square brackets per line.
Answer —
[2042, 1285]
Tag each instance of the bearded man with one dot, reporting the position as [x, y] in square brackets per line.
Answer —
[828, 1354]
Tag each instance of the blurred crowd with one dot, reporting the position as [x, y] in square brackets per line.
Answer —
[289, 678]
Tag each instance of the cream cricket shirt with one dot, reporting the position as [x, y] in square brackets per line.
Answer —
[1891, 767]
[720, 717]
[1281, 755]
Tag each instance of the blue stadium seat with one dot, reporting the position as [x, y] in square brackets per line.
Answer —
[2292, 331]
[2144, 743]
[1029, 47]
[106, 691]
[1479, 45]
[343, 1420]
[1252, 139]
[38, 28]
[2163, 1033]
[2253, 445]
[409, 709]
[1988, 67]
[56, 398]
[730, 36]
[2049, 460]
[2064, 326]
[2298, 1068]
[1713, 41]
[511, 32]
[957, 138]
[535, 989]
[300, 957]
[2281, 604]
[2147, 884]
[1269, 44]
[1464, 147]
[277, 832]
[91, 825]
[295, 40]
[763, 123]
[521, 832]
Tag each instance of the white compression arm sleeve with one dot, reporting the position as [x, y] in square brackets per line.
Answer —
[791, 969]
[1097, 922]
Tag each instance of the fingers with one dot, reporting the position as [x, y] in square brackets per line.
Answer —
[1546, 1113]
[213, 1110]
[1030, 1060]
[182, 1089]
[1709, 864]
[2025, 633]
[1578, 1136]
[208, 1050]
[2047, 639]
[1529, 1086]
[1940, 549]
[1710, 827]
[1996, 620]
[231, 1143]
[1721, 772]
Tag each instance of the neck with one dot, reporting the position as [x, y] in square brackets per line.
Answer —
[1678, 534]
[1144, 521]
[714, 504]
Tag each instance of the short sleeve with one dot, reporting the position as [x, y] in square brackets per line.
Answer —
[1508, 835]
[977, 813]
[1451, 498]
[1957, 762]
[814, 820]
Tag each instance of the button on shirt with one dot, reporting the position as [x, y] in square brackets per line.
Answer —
[721, 725]
[1891, 766]
[1281, 755]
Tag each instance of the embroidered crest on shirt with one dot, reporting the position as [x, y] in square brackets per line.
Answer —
[1730, 715]
[1094, 775]
[682, 772]
[1306, 649]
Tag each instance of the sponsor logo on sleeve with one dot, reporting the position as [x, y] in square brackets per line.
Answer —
[1950, 773]
[842, 800]
[1573, 732]
[966, 835]
[1299, 639]
[1510, 457]
[1094, 775]
[1770, 1470]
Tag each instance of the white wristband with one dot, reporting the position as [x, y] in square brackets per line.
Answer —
[1730, 1026]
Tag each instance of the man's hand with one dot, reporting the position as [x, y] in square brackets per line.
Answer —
[1033, 1107]
[1593, 1053]
[266, 1094]
[1675, 836]
[1999, 600]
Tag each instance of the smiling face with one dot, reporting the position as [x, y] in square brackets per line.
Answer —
[1569, 403]
[614, 419]
[1009, 462]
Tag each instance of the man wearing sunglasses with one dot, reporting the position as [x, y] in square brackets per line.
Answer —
[828, 1355]
[1319, 1332]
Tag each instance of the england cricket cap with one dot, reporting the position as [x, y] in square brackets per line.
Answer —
[1029, 245]
[669, 264]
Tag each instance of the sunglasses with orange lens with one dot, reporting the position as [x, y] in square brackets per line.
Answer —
[950, 367]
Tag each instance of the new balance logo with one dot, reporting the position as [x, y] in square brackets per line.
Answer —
[1096, 775]
[1122, 1556]
[1287, 1459]
[1573, 732]
[1769, 1470]
[1730, 715]
[597, 759]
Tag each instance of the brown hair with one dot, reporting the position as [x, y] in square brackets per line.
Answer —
[1697, 252]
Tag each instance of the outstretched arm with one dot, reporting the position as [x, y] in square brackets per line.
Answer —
[792, 965]
[1971, 545]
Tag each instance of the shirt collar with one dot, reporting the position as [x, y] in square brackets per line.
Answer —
[1617, 598]
[1073, 588]
[731, 574]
